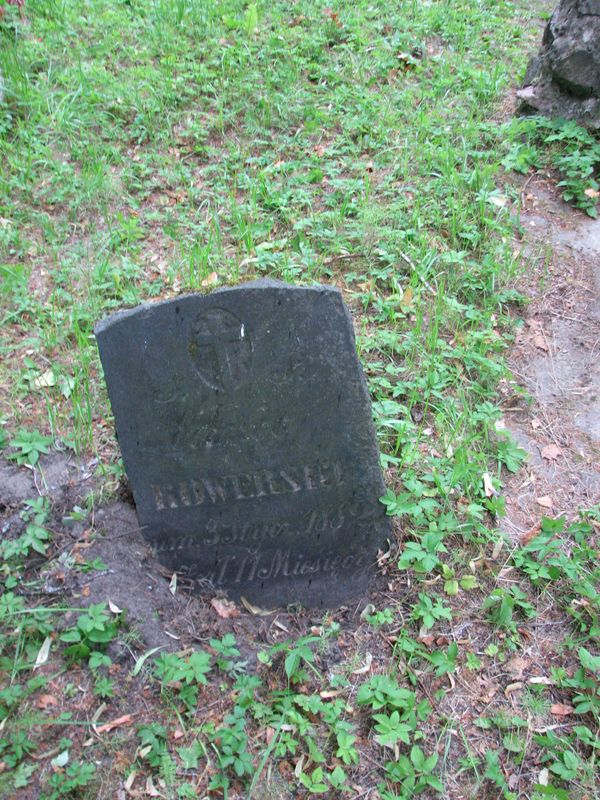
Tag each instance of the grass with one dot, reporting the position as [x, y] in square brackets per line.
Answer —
[150, 148]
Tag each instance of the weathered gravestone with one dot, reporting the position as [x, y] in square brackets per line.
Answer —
[563, 79]
[245, 426]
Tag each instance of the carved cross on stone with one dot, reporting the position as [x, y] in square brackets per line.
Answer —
[221, 349]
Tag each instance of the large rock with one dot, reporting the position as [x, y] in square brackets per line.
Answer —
[563, 80]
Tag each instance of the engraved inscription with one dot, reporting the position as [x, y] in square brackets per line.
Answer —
[220, 349]
[196, 432]
[253, 535]
[246, 485]
[281, 564]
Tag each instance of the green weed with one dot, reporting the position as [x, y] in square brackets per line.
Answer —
[537, 142]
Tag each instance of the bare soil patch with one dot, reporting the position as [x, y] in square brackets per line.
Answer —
[556, 359]
[160, 611]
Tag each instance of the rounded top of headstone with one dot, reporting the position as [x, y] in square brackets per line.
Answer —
[258, 284]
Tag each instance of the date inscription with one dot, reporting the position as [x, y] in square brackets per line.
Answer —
[258, 561]
[253, 535]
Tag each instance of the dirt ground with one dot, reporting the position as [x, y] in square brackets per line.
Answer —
[556, 359]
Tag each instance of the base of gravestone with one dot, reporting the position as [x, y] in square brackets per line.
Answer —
[111, 562]
[120, 545]
[167, 613]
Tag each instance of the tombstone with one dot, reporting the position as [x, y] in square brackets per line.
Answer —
[245, 426]
[563, 79]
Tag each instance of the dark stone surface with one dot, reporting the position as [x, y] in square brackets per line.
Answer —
[563, 80]
[591, 7]
[245, 426]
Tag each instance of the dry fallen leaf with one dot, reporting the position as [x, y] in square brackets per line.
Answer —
[526, 537]
[489, 690]
[126, 719]
[561, 710]
[44, 380]
[497, 549]
[333, 16]
[541, 679]
[513, 687]
[540, 342]
[407, 299]
[151, 790]
[97, 714]
[488, 486]
[43, 654]
[551, 452]
[46, 700]
[298, 767]
[255, 610]
[212, 278]
[367, 611]
[406, 60]
[366, 667]
[513, 781]
[130, 781]
[545, 502]
[225, 608]
[544, 777]
[516, 666]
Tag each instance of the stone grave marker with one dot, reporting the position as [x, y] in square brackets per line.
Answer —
[245, 426]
